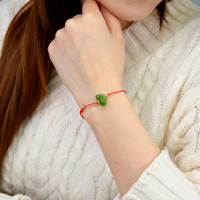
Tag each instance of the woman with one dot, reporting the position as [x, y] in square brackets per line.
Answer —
[144, 143]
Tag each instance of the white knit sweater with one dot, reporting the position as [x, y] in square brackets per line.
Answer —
[55, 154]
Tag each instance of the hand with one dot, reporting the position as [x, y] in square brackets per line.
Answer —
[88, 53]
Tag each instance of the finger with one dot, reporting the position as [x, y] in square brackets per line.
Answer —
[90, 6]
[112, 22]
[77, 16]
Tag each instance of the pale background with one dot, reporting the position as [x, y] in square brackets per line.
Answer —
[196, 1]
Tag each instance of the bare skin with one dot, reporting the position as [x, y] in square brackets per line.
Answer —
[128, 11]
[92, 45]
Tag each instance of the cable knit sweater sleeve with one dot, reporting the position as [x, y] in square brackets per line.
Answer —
[17, 197]
[175, 173]
[162, 180]
[167, 102]
[180, 178]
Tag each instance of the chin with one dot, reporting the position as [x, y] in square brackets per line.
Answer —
[135, 15]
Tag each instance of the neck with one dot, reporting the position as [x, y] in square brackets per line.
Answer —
[125, 24]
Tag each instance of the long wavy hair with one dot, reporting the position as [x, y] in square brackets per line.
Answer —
[25, 66]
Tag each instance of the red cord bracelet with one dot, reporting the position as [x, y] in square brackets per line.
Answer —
[102, 98]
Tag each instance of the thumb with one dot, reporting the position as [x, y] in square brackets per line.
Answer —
[112, 22]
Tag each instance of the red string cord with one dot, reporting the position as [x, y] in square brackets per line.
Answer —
[85, 106]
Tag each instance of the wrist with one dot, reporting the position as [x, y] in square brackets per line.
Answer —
[96, 112]
[88, 96]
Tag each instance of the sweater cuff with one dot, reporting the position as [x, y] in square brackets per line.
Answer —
[21, 197]
[16, 197]
[162, 180]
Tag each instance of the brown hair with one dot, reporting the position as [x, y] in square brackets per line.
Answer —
[25, 65]
[162, 9]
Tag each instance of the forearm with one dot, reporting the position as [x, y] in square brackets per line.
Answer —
[126, 144]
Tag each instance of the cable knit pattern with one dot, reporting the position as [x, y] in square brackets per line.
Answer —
[8, 9]
[55, 154]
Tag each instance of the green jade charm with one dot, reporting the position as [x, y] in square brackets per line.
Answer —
[102, 99]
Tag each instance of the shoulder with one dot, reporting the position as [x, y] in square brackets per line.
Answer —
[8, 9]
[181, 33]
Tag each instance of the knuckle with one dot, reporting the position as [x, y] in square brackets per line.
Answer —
[50, 48]
[58, 34]
[90, 18]
[70, 24]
